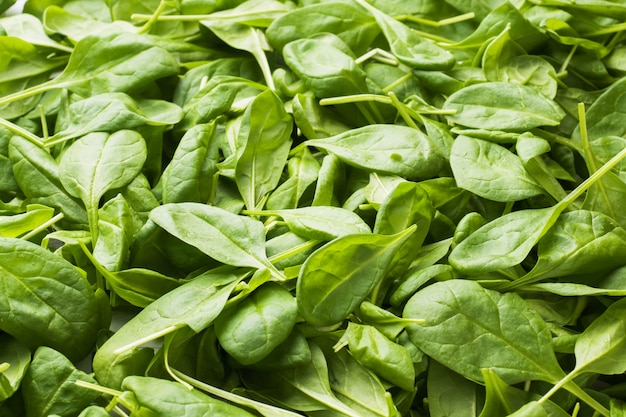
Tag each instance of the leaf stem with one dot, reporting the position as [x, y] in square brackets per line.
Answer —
[146, 339]
[20, 131]
[42, 226]
[578, 191]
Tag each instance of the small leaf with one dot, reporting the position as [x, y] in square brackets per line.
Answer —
[336, 278]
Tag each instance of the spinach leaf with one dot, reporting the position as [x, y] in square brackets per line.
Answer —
[166, 398]
[321, 222]
[90, 167]
[462, 320]
[258, 324]
[229, 238]
[502, 106]
[62, 312]
[38, 176]
[490, 171]
[351, 24]
[110, 61]
[389, 149]
[263, 146]
[15, 359]
[195, 304]
[49, 386]
[322, 285]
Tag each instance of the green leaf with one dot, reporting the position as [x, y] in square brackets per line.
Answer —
[263, 146]
[229, 238]
[38, 176]
[61, 312]
[600, 348]
[167, 398]
[49, 386]
[258, 324]
[502, 106]
[325, 69]
[490, 171]
[409, 46]
[195, 304]
[327, 291]
[389, 149]
[321, 222]
[382, 356]
[99, 162]
[464, 320]
[351, 24]
[17, 357]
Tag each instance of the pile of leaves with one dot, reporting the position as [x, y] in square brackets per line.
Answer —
[322, 208]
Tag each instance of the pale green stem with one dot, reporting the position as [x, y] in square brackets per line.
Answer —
[20, 131]
[153, 18]
[4, 366]
[437, 23]
[146, 339]
[42, 227]
[294, 251]
[44, 123]
[584, 136]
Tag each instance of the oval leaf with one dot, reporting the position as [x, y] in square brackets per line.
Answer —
[464, 320]
[502, 106]
[336, 278]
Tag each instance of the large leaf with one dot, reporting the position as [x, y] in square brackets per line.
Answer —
[61, 311]
[502, 106]
[464, 320]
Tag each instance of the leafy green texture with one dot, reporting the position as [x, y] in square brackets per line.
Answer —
[50, 385]
[503, 106]
[62, 311]
[363, 208]
[463, 320]
[322, 286]
[258, 324]
[389, 149]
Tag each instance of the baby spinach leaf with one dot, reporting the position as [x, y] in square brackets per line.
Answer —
[108, 112]
[328, 291]
[408, 46]
[38, 176]
[17, 357]
[325, 69]
[168, 398]
[189, 175]
[304, 388]
[321, 222]
[600, 347]
[303, 170]
[355, 27]
[390, 149]
[258, 324]
[106, 62]
[91, 167]
[579, 242]
[49, 386]
[382, 356]
[18, 224]
[490, 171]
[502, 106]
[195, 304]
[263, 146]
[61, 312]
[354, 384]
[229, 238]
[463, 320]
[451, 395]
